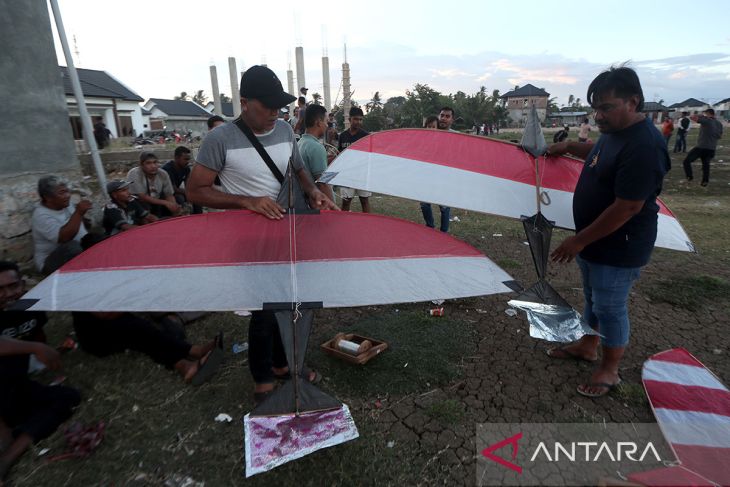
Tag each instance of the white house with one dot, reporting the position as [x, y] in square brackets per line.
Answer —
[692, 106]
[178, 115]
[107, 99]
[722, 109]
[227, 108]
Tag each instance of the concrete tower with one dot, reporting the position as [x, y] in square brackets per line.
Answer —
[299, 55]
[235, 95]
[216, 91]
[326, 81]
[346, 90]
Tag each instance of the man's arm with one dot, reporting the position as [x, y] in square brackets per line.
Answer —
[612, 218]
[47, 355]
[201, 192]
[317, 199]
[67, 232]
[578, 149]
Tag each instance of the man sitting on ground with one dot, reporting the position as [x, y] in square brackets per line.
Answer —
[29, 411]
[153, 187]
[104, 334]
[57, 225]
[179, 169]
[123, 211]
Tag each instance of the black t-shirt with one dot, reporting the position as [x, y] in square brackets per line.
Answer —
[115, 216]
[177, 176]
[629, 164]
[20, 325]
[346, 139]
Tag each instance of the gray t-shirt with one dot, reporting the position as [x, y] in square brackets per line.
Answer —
[46, 224]
[240, 168]
[710, 133]
[160, 187]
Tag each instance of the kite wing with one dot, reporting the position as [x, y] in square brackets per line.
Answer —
[239, 260]
[474, 173]
[692, 408]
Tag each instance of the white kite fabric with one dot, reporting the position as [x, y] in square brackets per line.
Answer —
[239, 260]
[473, 173]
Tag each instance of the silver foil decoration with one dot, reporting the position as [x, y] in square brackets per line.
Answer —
[553, 323]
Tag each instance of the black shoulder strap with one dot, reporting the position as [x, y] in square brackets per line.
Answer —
[260, 149]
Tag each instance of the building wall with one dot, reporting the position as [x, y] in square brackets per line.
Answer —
[34, 128]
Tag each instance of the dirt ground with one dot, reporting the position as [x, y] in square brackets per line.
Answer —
[416, 405]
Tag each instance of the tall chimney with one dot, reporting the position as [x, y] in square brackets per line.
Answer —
[235, 95]
[326, 82]
[216, 91]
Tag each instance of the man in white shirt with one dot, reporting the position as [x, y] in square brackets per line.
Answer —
[57, 225]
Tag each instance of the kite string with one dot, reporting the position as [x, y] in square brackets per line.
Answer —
[293, 263]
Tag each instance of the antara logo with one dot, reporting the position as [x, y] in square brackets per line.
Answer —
[586, 451]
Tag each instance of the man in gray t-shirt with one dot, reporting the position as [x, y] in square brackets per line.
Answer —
[57, 225]
[248, 183]
[710, 134]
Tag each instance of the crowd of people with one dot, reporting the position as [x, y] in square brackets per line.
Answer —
[240, 165]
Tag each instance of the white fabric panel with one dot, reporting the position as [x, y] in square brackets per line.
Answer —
[336, 283]
[694, 428]
[449, 186]
[671, 235]
[682, 374]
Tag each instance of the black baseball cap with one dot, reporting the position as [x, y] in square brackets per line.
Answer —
[112, 186]
[260, 83]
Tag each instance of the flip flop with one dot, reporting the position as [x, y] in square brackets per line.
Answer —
[605, 385]
[306, 371]
[568, 355]
[207, 369]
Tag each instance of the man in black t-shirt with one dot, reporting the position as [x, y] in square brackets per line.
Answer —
[123, 211]
[345, 140]
[615, 212]
[680, 144]
[29, 411]
[179, 170]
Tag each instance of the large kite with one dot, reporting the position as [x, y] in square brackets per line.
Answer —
[239, 260]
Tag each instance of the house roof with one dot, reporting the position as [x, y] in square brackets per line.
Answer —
[722, 101]
[652, 106]
[689, 102]
[227, 108]
[180, 108]
[99, 84]
[527, 90]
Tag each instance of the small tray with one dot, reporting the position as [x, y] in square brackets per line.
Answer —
[378, 347]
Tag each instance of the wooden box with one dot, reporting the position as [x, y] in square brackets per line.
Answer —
[378, 347]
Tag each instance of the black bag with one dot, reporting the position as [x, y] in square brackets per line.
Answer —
[291, 194]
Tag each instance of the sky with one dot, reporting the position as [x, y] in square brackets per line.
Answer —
[680, 49]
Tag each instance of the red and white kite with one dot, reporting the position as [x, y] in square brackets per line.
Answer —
[239, 260]
[474, 173]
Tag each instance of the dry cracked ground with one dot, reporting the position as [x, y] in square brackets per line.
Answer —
[416, 405]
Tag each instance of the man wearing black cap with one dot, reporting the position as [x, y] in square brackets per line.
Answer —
[123, 211]
[248, 183]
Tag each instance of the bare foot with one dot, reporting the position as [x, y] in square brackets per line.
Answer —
[574, 351]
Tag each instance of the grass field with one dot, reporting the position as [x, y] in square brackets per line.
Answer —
[417, 404]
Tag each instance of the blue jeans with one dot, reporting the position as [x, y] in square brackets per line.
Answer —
[606, 292]
[428, 216]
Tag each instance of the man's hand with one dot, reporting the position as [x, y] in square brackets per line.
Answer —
[83, 206]
[567, 250]
[558, 149]
[173, 207]
[320, 201]
[265, 206]
[47, 355]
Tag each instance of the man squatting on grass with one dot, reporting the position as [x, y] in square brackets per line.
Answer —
[615, 212]
[247, 183]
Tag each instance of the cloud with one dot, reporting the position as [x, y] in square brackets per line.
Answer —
[520, 74]
[678, 75]
[450, 73]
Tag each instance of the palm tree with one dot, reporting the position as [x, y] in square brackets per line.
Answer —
[316, 97]
[375, 103]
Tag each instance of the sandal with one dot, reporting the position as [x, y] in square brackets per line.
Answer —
[567, 354]
[605, 385]
[207, 369]
[306, 371]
